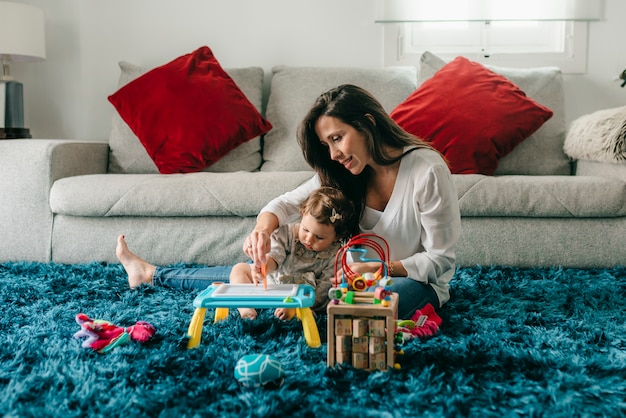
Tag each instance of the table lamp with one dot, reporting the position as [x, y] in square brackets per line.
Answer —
[21, 40]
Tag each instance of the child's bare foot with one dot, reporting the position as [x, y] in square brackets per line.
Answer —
[285, 314]
[247, 313]
[139, 271]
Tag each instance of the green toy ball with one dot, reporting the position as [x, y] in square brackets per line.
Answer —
[259, 370]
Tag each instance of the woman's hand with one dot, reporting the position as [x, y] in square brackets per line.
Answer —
[258, 243]
[256, 246]
[358, 269]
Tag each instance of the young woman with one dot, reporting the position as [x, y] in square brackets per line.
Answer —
[401, 188]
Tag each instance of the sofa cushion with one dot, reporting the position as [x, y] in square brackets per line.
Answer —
[294, 90]
[127, 154]
[600, 169]
[472, 115]
[194, 194]
[540, 196]
[541, 153]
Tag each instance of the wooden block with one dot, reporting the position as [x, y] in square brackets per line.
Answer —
[376, 327]
[345, 357]
[343, 344]
[343, 326]
[360, 344]
[378, 361]
[359, 327]
[360, 360]
[376, 345]
[346, 312]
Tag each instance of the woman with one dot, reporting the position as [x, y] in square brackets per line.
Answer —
[400, 186]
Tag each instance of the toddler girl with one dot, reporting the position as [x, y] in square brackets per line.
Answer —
[304, 251]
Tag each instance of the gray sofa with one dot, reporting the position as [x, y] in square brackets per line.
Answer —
[66, 201]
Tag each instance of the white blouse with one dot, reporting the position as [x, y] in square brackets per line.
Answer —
[421, 222]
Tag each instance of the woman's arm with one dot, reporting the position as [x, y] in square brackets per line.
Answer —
[440, 223]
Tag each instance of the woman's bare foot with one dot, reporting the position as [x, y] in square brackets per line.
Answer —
[285, 314]
[139, 271]
[247, 313]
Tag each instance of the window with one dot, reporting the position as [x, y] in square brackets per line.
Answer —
[497, 32]
[504, 43]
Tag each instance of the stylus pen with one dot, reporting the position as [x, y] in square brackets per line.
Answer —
[264, 273]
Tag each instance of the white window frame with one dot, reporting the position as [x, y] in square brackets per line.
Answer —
[571, 59]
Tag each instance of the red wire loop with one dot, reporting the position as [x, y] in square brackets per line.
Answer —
[372, 241]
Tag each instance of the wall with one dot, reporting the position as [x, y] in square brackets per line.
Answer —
[598, 89]
[65, 96]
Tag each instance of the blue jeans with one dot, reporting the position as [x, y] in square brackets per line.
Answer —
[413, 295]
[190, 278]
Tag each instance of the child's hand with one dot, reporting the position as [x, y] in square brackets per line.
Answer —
[337, 279]
[257, 275]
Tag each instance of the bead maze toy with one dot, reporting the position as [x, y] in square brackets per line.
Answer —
[223, 296]
[362, 322]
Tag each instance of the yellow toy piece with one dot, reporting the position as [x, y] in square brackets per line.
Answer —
[309, 327]
[220, 314]
[195, 328]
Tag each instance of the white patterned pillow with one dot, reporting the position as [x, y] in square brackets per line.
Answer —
[598, 136]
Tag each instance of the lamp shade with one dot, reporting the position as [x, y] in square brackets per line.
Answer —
[22, 36]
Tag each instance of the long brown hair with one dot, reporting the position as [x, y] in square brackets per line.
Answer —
[356, 107]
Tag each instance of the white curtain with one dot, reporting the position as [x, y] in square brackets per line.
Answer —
[487, 10]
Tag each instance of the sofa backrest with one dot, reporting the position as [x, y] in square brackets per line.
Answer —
[293, 91]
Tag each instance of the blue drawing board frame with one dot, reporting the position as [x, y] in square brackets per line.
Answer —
[256, 296]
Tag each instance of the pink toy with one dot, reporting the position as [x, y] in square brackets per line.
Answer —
[427, 322]
[103, 336]
[424, 323]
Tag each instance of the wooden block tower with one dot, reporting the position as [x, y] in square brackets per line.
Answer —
[362, 333]
[362, 324]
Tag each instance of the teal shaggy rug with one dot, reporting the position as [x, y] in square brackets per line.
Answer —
[513, 342]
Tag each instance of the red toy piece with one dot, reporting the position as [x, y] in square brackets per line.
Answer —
[103, 336]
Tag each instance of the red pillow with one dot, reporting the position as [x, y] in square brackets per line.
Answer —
[472, 115]
[188, 113]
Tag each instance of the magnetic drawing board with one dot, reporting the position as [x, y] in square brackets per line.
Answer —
[250, 290]
[256, 296]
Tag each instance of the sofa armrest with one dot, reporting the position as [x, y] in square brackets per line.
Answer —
[28, 168]
[601, 169]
